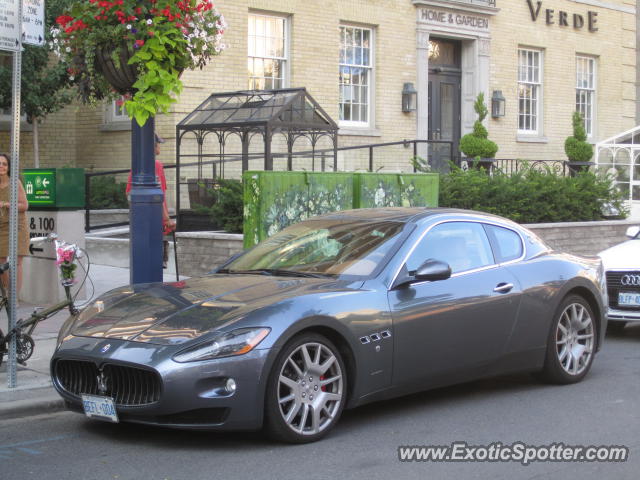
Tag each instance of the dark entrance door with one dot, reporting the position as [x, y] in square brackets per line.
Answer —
[444, 101]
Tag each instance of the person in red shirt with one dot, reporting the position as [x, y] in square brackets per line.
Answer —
[168, 224]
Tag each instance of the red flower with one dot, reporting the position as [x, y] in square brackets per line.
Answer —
[151, 34]
[63, 20]
[139, 43]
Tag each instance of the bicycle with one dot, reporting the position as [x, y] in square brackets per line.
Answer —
[66, 257]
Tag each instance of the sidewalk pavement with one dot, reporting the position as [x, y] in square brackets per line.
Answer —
[34, 393]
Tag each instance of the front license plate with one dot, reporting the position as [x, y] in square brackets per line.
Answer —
[629, 298]
[101, 408]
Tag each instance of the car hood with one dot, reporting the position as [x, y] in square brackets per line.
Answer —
[625, 255]
[173, 313]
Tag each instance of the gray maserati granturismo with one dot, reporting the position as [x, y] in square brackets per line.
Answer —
[332, 313]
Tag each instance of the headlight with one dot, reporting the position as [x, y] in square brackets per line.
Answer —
[238, 342]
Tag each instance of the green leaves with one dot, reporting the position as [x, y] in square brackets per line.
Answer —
[161, 38]
[159, 83]
[44, 83]
[476, 144]
[480, 107]
[576, 147]
[531, 195]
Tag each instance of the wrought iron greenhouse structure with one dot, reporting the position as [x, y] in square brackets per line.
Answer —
[235, 119]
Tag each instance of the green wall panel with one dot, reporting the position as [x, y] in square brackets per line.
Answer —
[330, 192]
[374, 190]
[275, 200]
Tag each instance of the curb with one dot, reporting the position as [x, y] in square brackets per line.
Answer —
[48, 403]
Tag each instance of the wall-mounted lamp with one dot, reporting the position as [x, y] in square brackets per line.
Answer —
[497, 104]
[409, 95]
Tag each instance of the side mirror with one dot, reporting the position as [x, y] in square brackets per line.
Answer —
[433, 270]
[632, 232]
[430, 270]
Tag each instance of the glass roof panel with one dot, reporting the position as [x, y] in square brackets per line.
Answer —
[259, 107]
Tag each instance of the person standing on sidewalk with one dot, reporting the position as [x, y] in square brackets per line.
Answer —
[168, 224]
[23, 227]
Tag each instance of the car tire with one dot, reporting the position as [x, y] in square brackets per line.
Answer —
[615, 327]
[571, 344]
[306, 390]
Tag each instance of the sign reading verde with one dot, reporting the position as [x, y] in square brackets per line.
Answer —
[40, 187]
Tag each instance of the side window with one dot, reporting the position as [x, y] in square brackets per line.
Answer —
[463, 245]
[507, 242]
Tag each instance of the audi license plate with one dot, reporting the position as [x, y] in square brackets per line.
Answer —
[629, 298]
[101, 408]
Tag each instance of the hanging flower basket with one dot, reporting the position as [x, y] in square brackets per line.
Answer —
[114, 65]
[136, 47]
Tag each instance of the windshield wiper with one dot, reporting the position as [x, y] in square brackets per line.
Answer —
[278, 272]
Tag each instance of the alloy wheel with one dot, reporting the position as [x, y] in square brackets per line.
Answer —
[575, 339]
[310, 388]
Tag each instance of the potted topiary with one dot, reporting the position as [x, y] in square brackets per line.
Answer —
[578, 150]
[136, 48]
[480, 151]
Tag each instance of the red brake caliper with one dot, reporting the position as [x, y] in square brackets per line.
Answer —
[323, 387]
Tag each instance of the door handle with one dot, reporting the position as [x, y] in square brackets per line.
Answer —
[503, 287]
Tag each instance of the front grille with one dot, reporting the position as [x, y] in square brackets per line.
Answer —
[128, 386]
[614, 286]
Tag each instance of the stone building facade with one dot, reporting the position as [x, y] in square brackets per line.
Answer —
[546, 57]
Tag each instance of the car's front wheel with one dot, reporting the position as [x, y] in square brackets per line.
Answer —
[572, 342]
[306, 391]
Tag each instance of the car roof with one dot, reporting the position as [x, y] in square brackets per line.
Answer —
[407, 214]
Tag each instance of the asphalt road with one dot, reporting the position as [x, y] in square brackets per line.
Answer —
[602, 410]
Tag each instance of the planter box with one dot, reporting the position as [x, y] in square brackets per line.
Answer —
[486, 163]
[190, 221]
[576, 167]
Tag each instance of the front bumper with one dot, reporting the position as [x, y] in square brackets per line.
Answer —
[192, 395]
[622, 281]
[615, 315]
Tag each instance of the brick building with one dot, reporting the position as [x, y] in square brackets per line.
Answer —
[546, 57]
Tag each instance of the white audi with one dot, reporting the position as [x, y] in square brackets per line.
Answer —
[622, 266]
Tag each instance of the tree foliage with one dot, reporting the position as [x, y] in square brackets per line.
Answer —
[44, 80]
[477, 144]
[531, 195]
[576, 146]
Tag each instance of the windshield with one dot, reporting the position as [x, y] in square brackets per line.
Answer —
[323, 246]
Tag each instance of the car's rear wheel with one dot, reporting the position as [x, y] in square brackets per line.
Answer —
[306, 391]
[615, 327]
[572, 342]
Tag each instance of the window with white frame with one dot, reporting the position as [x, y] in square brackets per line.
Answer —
[529, 91]
[267, 59]
[586, 90]
[117, 111]
[356, 75]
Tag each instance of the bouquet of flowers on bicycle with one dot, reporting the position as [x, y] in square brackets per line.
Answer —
[67, 256]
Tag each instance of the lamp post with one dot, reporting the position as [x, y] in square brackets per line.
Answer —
[145, 213]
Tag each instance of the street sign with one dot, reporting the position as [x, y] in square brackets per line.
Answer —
[9, 25]
[33, 22]
[40, 187]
